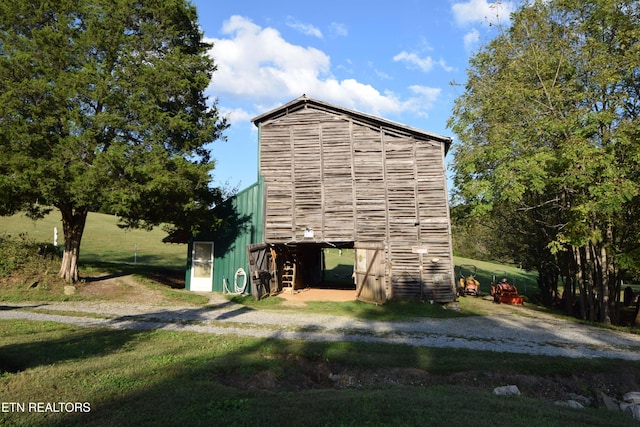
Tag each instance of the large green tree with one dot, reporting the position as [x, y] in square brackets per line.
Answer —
[102, 105]
[548, 127]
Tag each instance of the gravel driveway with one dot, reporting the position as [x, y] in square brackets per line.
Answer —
[525, 332]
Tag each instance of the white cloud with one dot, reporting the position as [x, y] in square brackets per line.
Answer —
[442, 63]
[382, 75]
[483, 11]
[426, 98]
[258, 68]
[306, 29]
[425, 64]
[428, 93]
[236, 115]
[258, 63]
[471, 39]
[337, 29]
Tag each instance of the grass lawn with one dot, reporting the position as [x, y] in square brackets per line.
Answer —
[525, 281]
[128, 378]
[103, 241]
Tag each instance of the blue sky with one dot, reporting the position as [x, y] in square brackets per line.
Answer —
[393, 59]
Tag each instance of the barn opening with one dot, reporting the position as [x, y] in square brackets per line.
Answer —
[353, 270]
[322, 266]
[299, 266]
[294, 267]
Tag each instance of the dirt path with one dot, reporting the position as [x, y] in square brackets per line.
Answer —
[503, 331]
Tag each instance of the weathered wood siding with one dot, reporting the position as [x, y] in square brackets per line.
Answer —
[350, 180]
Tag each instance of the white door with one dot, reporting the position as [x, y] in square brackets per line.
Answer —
[202, 267]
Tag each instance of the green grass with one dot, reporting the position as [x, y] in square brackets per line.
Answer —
[525, 281]
[106, 249]
[149, 378]
[103, 241]
[339, 266]
[392, 310]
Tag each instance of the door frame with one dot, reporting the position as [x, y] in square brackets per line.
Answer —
[201, 283]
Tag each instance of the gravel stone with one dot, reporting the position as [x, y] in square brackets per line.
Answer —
[536, 333]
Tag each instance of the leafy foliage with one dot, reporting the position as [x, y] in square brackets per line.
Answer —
[548, 129]
[102, 105]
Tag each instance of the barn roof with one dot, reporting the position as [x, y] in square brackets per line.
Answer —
[306, 102]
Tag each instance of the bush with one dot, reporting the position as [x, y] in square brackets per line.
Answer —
[25, 255]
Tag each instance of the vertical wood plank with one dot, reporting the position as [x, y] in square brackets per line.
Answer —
[353, 180]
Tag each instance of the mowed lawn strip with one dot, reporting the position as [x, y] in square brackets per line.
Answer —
[180, 378]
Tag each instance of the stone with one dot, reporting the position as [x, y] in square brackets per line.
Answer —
[633, 410]
[609, 402]
[583, 400]
[455, 306]
[507, 390]
[570, 403]
[632, 397]
[574, 404]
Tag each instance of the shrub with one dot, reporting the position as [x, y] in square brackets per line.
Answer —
[25, 255]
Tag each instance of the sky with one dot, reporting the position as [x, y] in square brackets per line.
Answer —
[392, 59]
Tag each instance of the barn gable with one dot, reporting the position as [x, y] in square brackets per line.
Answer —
[334, 176]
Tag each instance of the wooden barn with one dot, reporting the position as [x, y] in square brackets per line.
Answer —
[334, 177]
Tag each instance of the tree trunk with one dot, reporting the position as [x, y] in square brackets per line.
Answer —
[73, 222]
[579, 279]
[563, 261]
[605, 278]
[589, 284]
[613, 282]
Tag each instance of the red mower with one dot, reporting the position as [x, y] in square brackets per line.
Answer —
[505, 293]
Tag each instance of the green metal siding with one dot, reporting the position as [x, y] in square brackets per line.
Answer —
[228, 257]
[247, 203]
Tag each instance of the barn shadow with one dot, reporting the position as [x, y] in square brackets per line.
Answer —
[230, 225]
[90, 279]
[168, 277]
[81, 344]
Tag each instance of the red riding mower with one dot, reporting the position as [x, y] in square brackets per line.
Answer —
[505, 293]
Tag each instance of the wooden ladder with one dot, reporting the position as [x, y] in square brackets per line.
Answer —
[288, 276]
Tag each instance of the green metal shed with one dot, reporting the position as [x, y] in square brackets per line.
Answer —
[218, 262]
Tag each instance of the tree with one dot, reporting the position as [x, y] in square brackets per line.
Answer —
[548, 125]
[102, 104]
